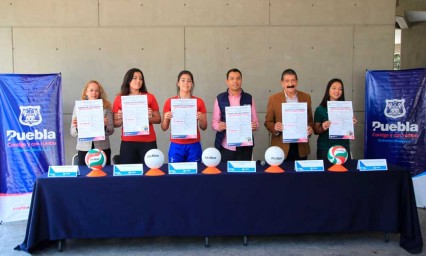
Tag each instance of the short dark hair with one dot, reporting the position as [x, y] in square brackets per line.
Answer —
[125, 86]
[233, 70]
[288, 72]
[327, 92]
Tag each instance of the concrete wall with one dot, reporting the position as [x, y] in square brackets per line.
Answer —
[413, 46]
[409, 5]
[90, 39]
[413, 39]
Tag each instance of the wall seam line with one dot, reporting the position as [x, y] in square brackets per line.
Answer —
[269, 12]
[184, 47]
[99, 13]
[13, 50]
[353, 61]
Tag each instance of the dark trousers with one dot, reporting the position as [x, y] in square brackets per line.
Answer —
[132, 152]
[241, 154]
[293, 153]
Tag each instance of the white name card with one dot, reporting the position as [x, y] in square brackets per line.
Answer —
[372, 165]
[62, 171]
[128, 169]
[309, 166]
[241, 166]
[183, 168]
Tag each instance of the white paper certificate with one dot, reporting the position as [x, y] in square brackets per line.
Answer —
[238, 126]
[340, 114]
[184, 121]
[295, 122]
[90, 120]
[135, 115]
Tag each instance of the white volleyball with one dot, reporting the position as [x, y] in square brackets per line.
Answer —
[211, 157]
[154, 158]
[274, 156]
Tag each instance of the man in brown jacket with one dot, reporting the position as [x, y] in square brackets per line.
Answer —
[273, 120]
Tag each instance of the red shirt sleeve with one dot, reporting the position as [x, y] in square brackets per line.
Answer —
[117, 104]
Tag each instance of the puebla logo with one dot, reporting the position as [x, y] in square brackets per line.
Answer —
[395, 108]
[30, 115]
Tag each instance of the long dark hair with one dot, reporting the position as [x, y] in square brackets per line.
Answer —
[125, 86]
[185, 72]
[327, 92]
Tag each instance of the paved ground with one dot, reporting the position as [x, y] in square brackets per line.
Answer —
[12, 234]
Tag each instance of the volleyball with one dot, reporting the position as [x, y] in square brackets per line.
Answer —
[274, 156]
[211, 157]
[95, 159]
[337, 155]
[154, 158]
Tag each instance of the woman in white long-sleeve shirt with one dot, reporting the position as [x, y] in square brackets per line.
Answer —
[93, 90]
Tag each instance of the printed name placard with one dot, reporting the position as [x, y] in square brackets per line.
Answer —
[372, 165]
[241, 166]
[128, 169]
[62, 171]
[309, 166]
[183, 168]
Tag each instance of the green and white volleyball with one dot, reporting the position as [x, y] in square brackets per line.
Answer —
[95, 159]
[337, 155]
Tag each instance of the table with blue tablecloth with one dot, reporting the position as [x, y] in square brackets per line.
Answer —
[227, 204]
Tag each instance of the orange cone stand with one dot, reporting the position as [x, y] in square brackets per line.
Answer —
[337, 168]
[96, 173]
[274, 169]
[211, 170]
[154, 172]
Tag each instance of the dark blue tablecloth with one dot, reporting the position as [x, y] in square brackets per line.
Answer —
[225, 204]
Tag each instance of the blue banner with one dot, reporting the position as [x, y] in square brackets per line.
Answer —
[395, 117]
[31, 129]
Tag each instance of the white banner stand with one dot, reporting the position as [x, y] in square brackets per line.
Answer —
[419, 184]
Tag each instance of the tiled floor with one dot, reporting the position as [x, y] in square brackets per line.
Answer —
[12, 234]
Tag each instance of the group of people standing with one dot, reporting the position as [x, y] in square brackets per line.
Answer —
[134, 148]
